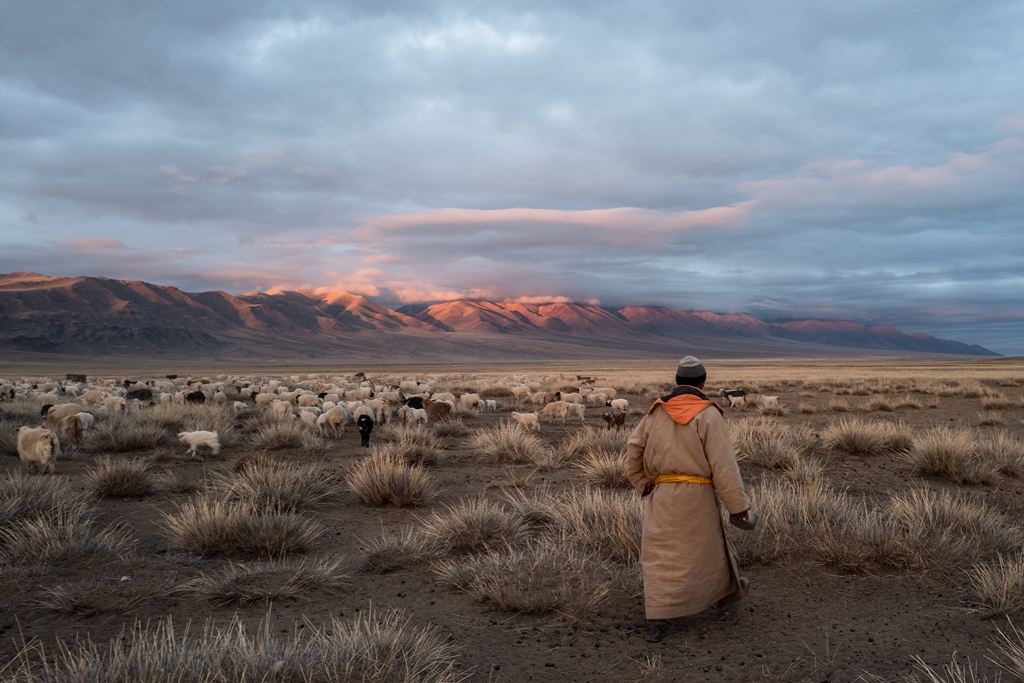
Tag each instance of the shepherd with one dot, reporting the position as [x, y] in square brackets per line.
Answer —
[680, 458]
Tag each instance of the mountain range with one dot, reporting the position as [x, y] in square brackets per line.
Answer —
[42, 315]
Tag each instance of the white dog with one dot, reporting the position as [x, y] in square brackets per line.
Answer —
[197, 439]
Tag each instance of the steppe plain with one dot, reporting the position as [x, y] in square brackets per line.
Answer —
[890, 494]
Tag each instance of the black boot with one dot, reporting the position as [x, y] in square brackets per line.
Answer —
[657, 629]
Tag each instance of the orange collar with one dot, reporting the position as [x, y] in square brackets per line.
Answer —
[684, 404]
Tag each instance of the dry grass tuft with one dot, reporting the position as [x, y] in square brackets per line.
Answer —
[599, 520]
[999, 402]
[390, 551]
[179, 483]
[838, 405]
[122, 434]
[908, 402]
[278, 435]
[62, 534]
[856, 437]
[411, 452]
[992, 419]
[9, 434]
[470, 526]
[602, 469]
[371, 648]
[263, 582]
[1004, 452]
[997, 588]
[450, 428]
[24, 497]
[120, 478]
[770, 443]
[879, 404]
[948, 452]
[510, 442]
[278, 488]
[92, 596]
[543, 577]
[253, 460]
[806, 408]
[208, 527]
[385, 478]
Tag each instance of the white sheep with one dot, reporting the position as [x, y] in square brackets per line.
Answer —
[555, 409]
[38, 449]
[115, 404]
[265, 399]
[571, 397]
[575, 410]
[200, 438]
[308, 418]
[470, 401]
[87, 420]
[528, 420]
[736, 401]
[309, 401]
[597, 400]
[282, 410]
[220, 398]
[607, 391]
[491, 404]
[619, 405]
[521, 393]
[240, 406]
[443, 396]
[770, 401]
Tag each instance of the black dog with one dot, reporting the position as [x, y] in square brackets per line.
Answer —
[365, 426]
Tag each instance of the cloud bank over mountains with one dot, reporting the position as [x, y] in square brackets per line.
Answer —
[860, 161]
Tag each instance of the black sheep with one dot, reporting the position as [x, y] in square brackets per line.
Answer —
[195, 397]
[365, 426]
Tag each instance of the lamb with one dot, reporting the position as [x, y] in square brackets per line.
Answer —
[38, 449]
[619, 405]
[729, 393]
[553, 410]
[417, 415]
[617, 420]
[240, 406]
[491, 404]
[736, 401]
[87, 420]
[769, 401]
[200, 438]
[220, 398]
[528, 420]
[365, 426]
[94, 396]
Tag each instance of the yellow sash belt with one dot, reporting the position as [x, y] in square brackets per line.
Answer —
[688, 478]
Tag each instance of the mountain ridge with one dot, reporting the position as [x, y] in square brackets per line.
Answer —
[95, 315]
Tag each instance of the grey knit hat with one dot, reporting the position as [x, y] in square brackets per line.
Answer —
[691, 368]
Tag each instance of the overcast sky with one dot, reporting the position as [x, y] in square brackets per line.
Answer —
[860, 160]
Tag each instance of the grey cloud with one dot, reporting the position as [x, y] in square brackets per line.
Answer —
[221, 143]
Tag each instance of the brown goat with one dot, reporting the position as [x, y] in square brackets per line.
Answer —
[618, 420]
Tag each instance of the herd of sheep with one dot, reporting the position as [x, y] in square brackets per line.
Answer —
[324, 405]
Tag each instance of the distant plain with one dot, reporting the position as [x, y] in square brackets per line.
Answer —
[867, 555]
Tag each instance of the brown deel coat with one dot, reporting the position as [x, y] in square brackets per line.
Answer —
[686, 563]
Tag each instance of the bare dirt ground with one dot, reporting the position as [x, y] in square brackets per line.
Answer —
[802, 621]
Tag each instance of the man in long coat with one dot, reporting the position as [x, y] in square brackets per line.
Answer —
[680, 457]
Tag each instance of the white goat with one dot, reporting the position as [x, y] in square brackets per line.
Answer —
[528, 420]
[200, 438]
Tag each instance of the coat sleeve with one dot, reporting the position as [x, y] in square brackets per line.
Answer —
[635, 456]
[725, 472]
